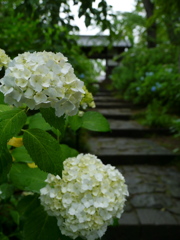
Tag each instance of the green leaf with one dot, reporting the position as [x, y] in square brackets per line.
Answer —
[75, 122]
[11, 123]
[37, 121]
[95, 121]
[27, 204]
[15, 216]
[3, 237]
[40, 226]
[68, 152]
[20, 154]
[44, 150]
[5, 163]
[26, 178]
[50, 117]
[1, 98]
[4, 107]
[6, 190]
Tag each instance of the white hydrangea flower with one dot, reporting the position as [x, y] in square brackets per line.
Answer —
[42, 79]
[4, 59]
[87, 197]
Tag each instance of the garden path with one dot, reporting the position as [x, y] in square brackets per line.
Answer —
[152, 210]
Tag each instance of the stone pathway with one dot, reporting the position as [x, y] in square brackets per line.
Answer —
[152, 210]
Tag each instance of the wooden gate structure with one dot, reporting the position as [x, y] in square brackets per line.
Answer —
[98, 47]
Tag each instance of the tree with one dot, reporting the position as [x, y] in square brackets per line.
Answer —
[149, 7]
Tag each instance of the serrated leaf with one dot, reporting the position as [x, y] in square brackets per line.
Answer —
[27, 179]
[37, 121]
[11, 123]
[54, 121]
[44, 150]
[75, 122]
[95, 121]
[40, 226]
[20, 154]
[5, 163]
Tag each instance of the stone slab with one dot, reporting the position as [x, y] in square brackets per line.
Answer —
[111, 104]
[115, 113]
[152, 200]
[155, 217]
[129, 218]
[105, 99]
[125, 146]
[128, 150]
[149, 194]
[122, 125]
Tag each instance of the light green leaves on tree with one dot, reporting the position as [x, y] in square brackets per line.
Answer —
[26, 178]
[11, 123]
[95, 121]
[44, 150]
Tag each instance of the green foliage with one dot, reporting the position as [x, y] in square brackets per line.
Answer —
[5, 163]
[147, 74]
[156, 116]
[26, 178]
[20, 154]
[39, 226]
[11, 123]
[75, 122]
[54, 121]
[37, 26]
[44, 150]
[175, 127]
[47, 30]
[37, 121]
[42, 135]
[67, 152]
[90, 120]
[95, 121]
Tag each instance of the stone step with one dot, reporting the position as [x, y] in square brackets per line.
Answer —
[152, 209]
[104, 93]
[128, 150]
[106, 99]
[115, 104]
[115, 113]
[130, 128]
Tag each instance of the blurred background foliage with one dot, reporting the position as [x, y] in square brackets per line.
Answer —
[149, 73]
[33, 25]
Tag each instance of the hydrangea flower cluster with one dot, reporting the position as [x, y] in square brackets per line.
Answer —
[87, 197]
[4, 59]
[41, 80]
[87, 100]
